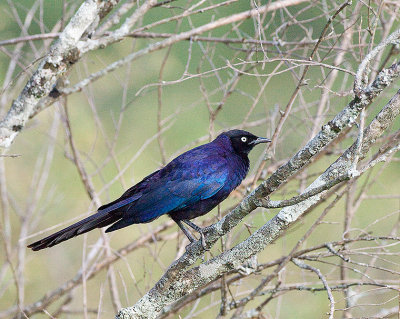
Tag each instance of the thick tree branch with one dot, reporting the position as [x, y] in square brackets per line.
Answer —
[63, 54]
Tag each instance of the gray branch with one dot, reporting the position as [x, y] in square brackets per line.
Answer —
[63, 54]
[302, 265]
[267, 203]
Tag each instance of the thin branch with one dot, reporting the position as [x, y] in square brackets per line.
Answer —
[182, 36]
[324, 282]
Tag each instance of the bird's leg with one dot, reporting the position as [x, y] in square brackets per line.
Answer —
[199, 230]
[186, 232]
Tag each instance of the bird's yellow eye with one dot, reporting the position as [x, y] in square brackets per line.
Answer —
[244, 139]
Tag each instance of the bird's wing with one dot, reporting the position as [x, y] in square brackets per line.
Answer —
[131, 195]
[182, 184]
[118, 203]
[202, 183]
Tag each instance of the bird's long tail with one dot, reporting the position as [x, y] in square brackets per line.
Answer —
[97, 220]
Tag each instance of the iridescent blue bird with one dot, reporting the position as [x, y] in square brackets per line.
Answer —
[189, 186]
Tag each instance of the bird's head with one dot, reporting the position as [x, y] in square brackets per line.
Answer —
[243, 141]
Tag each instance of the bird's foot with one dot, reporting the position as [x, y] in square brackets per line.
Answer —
[198, 229]
[203, 241]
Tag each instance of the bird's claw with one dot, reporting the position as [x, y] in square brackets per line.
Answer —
[203, 241]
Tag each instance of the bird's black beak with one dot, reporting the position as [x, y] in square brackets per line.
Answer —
[260, 140]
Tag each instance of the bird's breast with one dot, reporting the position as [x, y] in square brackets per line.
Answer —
[239, 168]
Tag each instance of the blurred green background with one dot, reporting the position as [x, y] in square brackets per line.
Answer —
[130, 95]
